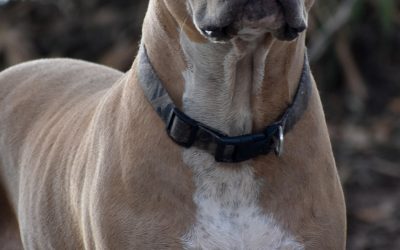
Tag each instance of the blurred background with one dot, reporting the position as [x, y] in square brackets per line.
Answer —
[354, 47]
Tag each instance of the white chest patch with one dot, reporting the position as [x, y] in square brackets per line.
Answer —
[228, 216]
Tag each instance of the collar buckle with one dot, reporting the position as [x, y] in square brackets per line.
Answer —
[181, 128]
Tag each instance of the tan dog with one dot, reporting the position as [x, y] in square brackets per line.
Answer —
[85, 161]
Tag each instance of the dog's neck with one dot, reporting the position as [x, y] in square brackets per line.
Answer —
[220, 80]
[235, 87]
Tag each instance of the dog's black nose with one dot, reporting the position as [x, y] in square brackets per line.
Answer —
[216, 33]
[300, 28]
[289, 33]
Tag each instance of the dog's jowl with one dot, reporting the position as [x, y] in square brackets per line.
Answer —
[215, 139]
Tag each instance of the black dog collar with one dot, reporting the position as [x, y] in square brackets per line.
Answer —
[187, 132]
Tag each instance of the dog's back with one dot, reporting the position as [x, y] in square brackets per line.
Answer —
[76, 166]
[47, 100]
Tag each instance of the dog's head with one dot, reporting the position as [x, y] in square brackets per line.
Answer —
[222, 20]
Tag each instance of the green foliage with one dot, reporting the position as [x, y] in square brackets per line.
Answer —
[386, 10]
[382, 10]
[359, 10]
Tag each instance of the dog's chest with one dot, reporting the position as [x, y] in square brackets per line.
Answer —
[218, 92]
[228, 215]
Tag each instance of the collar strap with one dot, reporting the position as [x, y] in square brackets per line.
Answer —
[188, 132]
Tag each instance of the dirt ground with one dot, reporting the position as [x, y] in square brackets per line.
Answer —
[358, 74]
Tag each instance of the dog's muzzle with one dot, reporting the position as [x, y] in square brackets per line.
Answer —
[284, 19]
